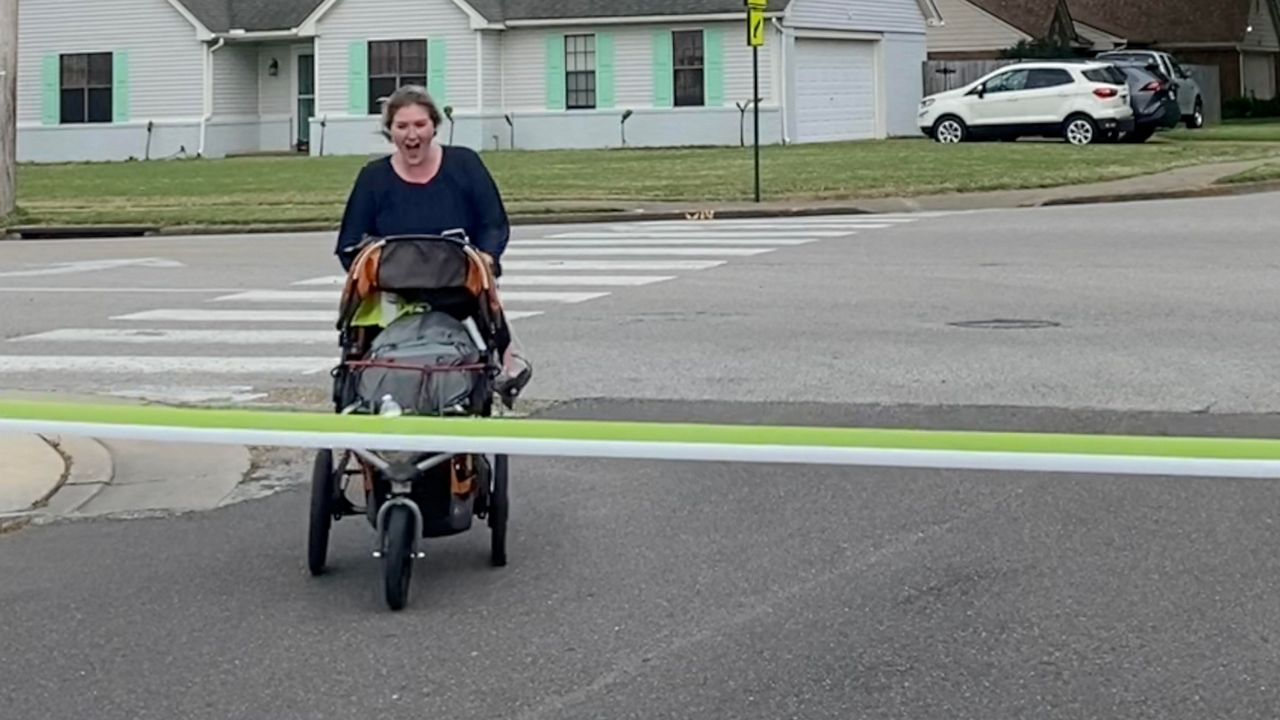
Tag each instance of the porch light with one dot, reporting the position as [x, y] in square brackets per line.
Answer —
[274, 68]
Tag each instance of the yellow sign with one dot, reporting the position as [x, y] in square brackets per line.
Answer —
[757, 4]
[755, 27]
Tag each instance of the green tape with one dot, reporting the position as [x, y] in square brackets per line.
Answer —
[642, 432]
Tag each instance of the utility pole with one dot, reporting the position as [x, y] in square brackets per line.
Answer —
[8, 106]
[755, 38]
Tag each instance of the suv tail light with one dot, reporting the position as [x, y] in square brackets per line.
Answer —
[1154, 86]
[1106, 92]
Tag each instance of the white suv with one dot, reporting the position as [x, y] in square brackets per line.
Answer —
[1081, 102]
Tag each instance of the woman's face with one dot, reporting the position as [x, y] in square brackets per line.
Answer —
[412, 132]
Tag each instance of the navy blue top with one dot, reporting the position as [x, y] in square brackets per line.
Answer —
[462, 195]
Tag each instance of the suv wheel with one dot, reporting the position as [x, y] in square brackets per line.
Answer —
[1196, 121]
[1080, 130]
[950, 130]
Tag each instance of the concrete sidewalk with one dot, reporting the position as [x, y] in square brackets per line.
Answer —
[34, 470]
[49, 477]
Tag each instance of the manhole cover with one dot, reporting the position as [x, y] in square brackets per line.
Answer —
[1006, 324]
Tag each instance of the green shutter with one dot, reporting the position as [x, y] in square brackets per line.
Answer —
[604, 71]
[358, 78]
[713, 49]
[663, 82]
[120, 86]
[555, 72]
[51, 90]
[438, 71]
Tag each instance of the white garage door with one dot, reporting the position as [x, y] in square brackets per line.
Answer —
[835, 90]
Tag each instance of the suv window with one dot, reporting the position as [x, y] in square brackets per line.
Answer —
[1107, 75]
[1047, 78]
[1010, 81]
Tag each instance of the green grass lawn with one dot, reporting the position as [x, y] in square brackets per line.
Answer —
[1265, 130]
[286, 189]
[1258, 174]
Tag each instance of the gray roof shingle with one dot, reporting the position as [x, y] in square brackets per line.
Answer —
[261, 15]
[251, 15]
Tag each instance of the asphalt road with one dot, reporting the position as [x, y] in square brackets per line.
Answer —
[1160, 306]
[664, 590]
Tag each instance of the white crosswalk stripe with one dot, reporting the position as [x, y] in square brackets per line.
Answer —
[248, 334]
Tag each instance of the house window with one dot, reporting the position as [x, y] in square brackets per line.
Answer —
[580, 71]
[687, 46]
[392, 65]
[85, 86]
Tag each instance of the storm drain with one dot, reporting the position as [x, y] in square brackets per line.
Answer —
[1005, 324]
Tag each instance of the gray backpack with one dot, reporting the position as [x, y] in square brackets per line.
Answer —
[428, 339]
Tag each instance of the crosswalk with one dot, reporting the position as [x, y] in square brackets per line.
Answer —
[261, 335]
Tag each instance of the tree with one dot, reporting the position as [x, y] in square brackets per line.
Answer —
[1039, 48]
[8, 106]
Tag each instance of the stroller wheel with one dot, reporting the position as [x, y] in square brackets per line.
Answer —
[397, 556]
[323, 489]
[499, 506]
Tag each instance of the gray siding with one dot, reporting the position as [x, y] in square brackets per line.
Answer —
[968, 28]
[902, 16]
[1264, 35]
[235, 81]
[363, 20]
[903, 57]
[165, 69]
[526, 77]
[275, 94]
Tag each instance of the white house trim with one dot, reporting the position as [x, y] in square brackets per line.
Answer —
[202, 32]
[632, 20]
[258, 35]
[308, 26]
[783, 69]
[932, 16]
[207, 111]
[836, 34]
[478, 21]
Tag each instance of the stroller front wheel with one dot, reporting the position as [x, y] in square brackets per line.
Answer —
[397, 556]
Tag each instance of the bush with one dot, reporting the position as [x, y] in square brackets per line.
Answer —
[1244, 108]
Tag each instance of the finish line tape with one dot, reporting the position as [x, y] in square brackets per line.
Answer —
[1000, 451]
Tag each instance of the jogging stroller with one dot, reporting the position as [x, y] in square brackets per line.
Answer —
[422, 331]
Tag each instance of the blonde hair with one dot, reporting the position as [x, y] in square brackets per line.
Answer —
[404, 97]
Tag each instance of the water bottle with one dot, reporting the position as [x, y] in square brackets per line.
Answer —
[391, 408]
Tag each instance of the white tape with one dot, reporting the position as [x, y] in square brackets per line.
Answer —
[675, 451]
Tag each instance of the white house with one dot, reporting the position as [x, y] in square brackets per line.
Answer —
[118, 79]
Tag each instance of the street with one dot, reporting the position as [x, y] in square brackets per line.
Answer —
[644, 589]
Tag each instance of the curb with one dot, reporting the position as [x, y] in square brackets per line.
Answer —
[59, 232]
[1224, 190]
[91, 468]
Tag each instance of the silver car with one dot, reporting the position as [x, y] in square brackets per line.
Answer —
[1185, 88]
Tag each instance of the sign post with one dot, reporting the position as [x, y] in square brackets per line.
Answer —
[755, 38]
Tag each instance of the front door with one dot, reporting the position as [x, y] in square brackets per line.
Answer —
[306, 102]
[1002, 104]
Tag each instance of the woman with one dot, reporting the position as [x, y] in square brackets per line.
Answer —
[423, 187]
